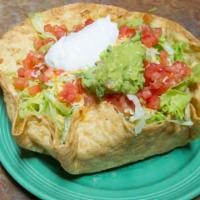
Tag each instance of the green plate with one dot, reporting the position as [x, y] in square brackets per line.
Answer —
[175, 175]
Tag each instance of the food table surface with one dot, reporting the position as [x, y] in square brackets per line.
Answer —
[185, 12]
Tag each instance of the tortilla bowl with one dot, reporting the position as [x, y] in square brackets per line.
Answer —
[99, 137]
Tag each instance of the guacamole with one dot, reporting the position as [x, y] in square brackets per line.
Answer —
[120, 70]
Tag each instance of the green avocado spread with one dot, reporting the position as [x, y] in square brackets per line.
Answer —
[120, 70]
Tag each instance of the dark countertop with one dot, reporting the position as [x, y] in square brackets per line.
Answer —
[185, 12]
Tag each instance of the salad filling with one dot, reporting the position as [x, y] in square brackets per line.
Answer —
[144, 75]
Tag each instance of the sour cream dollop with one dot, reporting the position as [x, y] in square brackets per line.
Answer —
[82, 49]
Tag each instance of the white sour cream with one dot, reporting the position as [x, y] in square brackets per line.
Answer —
[82, 49]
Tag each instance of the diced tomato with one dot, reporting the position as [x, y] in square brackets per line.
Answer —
[149, 40]
[21, 72]
[126, 31]
[145, 94]
[38, 43]
[33, 59]
[120, 101]
[88, 21]
[147, 18]
[69, 93]
[60, 31]
[159, 78]
[77, 27]
[157, 32]
[180, 69]
[163, 58]
[72, 92]
[150, 36]
[154, 102]
[28, 61]
[34, 90]
[43, 78]
[20, 83]
[25, 73]
[56, 30]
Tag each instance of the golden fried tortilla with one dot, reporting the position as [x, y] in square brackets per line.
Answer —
[99, 137]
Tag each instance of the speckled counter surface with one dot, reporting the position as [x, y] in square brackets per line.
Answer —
[185, 12]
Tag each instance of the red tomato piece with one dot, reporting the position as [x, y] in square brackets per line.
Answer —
[69, 93]
[145, 93]
[126, 31]
[150, 36]
[28, 61]
[33, 59]
[34, 90]
[154, 102]
[38, 43]
[159, 78]
[120, 101]
[149, 40]
[180, 69]
[157, 32]
[20, 83]
[21, 72]
[43, 78]
[150, 69]
[28, 74]
[56, 30]
[25, 73]
[77, 27]
[60, 31]
[163, 58]
[88, 21]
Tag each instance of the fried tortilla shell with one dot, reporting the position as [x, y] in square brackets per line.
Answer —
[99, 137]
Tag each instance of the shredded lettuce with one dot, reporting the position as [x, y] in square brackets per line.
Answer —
[179, 48]
[183, 123]
[195, 77]
[156, 117]
[38, 24]
[44, 103]
[60, 107]
[174, 102]
[131, 22]
[67, 124]
[175, 50]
